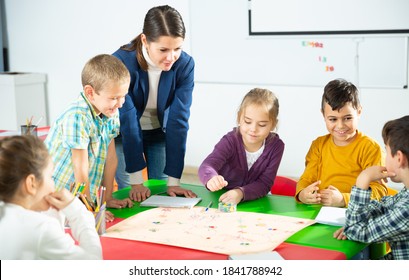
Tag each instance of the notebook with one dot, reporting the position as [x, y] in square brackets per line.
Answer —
[170, 201]
[333, 216]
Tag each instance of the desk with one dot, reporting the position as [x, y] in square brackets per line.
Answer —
[313, 242]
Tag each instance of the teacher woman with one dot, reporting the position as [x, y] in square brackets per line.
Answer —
[154, 117]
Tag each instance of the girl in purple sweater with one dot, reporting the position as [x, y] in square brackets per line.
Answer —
[246, 160]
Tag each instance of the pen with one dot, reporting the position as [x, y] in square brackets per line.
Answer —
[210, 204]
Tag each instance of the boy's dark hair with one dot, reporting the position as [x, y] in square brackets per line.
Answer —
[20, 156]
[395, 134]
[339, 92]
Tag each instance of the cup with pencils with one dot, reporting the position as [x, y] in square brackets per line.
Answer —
[100, 223]
[98, 208]
[29, 128]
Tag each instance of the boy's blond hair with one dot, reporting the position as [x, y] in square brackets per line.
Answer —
[102, 69]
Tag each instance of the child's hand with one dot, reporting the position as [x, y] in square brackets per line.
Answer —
[116, 203]
[139, 192]
[216, 183]
[371, 174]
[331, 196]
[109, 217]
[233, 196]
[310, 194]
[176, 190]
[339, 234]
[59, 199]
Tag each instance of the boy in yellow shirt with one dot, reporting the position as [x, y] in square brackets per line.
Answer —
[335, 160]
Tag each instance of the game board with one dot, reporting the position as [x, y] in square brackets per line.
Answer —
[211, 230]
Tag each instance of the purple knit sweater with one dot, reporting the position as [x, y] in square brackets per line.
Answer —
[228, 159]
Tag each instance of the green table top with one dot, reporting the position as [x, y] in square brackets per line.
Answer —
[317, 235]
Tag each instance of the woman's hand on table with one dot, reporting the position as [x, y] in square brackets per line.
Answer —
[179, 191]
[139, 193]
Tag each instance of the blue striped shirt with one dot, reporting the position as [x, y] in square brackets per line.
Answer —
[386, 220]
[79, 127]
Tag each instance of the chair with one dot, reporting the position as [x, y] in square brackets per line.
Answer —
[284, 186]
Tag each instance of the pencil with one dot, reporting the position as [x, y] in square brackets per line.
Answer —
[100, 216]
[99, 220]
[72, 185]
[97, 199]
[208, 205]
[77, 186]
[101, 194]
[85, 200]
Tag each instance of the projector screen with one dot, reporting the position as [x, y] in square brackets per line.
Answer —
[316, 17]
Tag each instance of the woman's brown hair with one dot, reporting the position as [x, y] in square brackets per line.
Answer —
[159, 21]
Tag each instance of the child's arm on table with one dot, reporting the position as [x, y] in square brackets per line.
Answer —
[339, 234]
[307, 190]
[80, 165]
[108, 180]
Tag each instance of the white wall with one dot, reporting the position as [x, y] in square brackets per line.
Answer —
[57, 37]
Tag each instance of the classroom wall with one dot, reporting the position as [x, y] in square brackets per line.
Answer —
[57, 37]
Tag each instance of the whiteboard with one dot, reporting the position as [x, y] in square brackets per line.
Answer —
[300, 17]
[225, 53]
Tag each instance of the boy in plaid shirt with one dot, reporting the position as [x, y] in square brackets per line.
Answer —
[81, 140]
[386, 220]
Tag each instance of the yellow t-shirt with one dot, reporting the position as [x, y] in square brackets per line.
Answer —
[339, 166]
